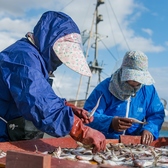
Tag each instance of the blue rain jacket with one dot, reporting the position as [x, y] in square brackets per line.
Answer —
[24, 87]
[145, 105]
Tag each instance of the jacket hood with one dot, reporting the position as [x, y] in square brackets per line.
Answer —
[52, 26]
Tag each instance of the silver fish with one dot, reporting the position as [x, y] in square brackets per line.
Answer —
[142, 163]
[109, 162]
[95, 108]
[2, 154]
[57, 152]
[87, 152]
[84, 157]
[116, 155]
[79, 149]
[137, 121]
[68, 157]
[98, 159]
[84, 161]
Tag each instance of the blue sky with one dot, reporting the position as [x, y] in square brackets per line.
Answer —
[127, 24]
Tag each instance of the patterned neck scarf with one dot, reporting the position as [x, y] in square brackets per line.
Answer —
[121, 90]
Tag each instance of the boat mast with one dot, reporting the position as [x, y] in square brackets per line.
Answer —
[94, 66]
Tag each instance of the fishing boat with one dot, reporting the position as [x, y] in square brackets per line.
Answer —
[95, 67]
[37, 153]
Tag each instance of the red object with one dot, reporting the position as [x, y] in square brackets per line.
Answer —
[87, 135]
[49, 144]
[81, 113]
[16, 159]
[129, 139]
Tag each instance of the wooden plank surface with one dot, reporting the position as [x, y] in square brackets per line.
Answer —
[43, 145]
[17, 159]
[129, 139]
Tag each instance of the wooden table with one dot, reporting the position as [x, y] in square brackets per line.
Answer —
[49, 144]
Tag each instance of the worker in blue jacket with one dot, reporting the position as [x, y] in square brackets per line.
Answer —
[127, 95]
[29, 106]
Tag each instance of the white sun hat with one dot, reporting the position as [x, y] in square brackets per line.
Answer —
[135, 67]
[69, 50]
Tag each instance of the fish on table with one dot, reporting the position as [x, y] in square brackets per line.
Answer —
[95, 108]
[134, 120]
[119, 154]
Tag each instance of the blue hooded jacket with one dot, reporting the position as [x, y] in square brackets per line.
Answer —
[24, 87]
[146, 105]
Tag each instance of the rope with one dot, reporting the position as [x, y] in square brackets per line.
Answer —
[119, 26]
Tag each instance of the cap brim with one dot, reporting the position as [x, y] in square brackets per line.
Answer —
[143, 77]
[71, 54]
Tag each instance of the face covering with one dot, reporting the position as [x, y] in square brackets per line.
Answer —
[121, 90]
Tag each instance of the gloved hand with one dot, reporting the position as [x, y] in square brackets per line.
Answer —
[121, 124]
[81, 113]
[87, 135]
[147, 137]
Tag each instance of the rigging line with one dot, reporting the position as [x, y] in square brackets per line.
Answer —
[90, 34]
[59, 91]
[58, 84]
[104, 77]
[86, 14]
[109, 50]
[87, 51]
[66, 5]
[105, 73]
[57, 88]
[112, 31]
[119, 25]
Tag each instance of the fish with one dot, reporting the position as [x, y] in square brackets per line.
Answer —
[109, 162]
[68, 157]
[87, 152]
[95, 108]
[2, 154]
[84, 146]
[142, 163]
[134, 120]
[98, 158]
[84, 157]
[57, 152]
[84, 161]
[119, 154]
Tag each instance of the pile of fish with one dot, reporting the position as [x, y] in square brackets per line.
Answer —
[117, 154]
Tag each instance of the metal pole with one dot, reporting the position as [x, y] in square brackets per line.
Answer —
[88, 86]
[95, 67]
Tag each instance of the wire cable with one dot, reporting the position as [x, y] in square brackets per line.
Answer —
[66, 5]
[119, 25]
[87, 12]
[109, 51]
[112, 30]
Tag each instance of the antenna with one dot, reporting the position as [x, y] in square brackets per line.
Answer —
[94, 65]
